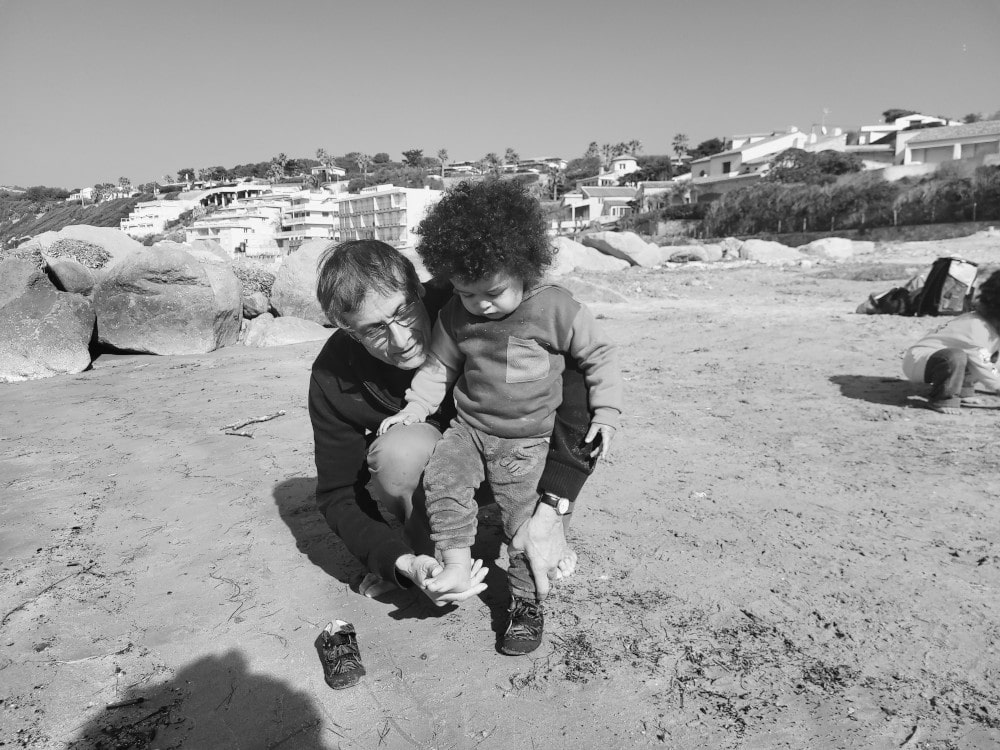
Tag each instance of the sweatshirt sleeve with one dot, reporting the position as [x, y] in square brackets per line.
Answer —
[598, 359]
[982, 348]
[436, 375]
[341, 492]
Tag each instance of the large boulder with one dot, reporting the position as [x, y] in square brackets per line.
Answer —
[162, 300]
[294, 291]
[72, 276]
[731, 248]
[19, 276]
[830, 248]
[625, 245]
[692, 253]
[254, 304]
[204, 252]
[114, 242]
[45, 332]
[572, 255]
[267, 330]
[765, 251]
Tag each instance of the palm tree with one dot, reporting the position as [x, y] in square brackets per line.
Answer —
[556, 178]
[634, 146]
[493, 162]
[511, 156]
[443, 158]
[607, 154]
[680, 144]
[124, 186]
[363, 161]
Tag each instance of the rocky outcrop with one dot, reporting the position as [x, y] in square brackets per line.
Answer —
[254, 304]
[694, 253]
[162, 300]
[731, 248]
[572, 255]
[294, 291]
[18, 276]
[764, 251]
[829, 248]
[625, 245]
[112, 241]
[267, 330]
[72, 276]
[44, 332]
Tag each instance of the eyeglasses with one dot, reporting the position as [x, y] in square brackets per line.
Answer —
[406, 316]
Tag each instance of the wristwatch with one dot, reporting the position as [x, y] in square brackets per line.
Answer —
[561, 504]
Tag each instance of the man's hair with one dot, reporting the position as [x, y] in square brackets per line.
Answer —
[988, 299]
[479, 229]
[348, 272]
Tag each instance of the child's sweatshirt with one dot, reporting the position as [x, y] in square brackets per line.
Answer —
[968, 332]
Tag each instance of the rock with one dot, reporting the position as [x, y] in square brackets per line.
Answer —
[572, 255]
[294, 291]
[254, 304]
[586, 291]
[213, 247]
[689, 253]
[830, 248]
[764, 251]
[731, 248]
[267, 330]
[19, 276]
[72, 276]
[863, 247]
[625, 245]
[161, 300]
[114, 241]
[45, 332]
[201, 251]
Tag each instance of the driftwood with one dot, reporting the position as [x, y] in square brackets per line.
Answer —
[234, 429]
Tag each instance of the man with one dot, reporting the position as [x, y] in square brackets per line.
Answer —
[372, 293]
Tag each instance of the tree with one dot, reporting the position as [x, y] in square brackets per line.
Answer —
[510, 156]
[493, 162]
[634, 146]
[972, 117]
[124, 186]
[443, 158]
[679, 144]
[363, 161]
[381, 158]
[167, 178]
[557, 178]
[708, 148]
[793, 165]
[414, 157]
[891, 115]
[186, 174]
[276, 169]
[593, 151]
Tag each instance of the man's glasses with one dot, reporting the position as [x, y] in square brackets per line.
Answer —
[378, 334]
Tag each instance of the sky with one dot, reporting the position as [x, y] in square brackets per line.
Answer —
[94, 90]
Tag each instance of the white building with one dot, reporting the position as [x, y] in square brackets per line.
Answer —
[311, 215]
[245, 228]
[152, 217]
[385, 212]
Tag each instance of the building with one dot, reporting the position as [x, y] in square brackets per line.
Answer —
[975, 144]
[603, 204]
[385, 212]
[245, 228]
[328, 173]
[619, 167]
[152, 217]
[309, 216]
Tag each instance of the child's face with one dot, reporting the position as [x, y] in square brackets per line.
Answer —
[493, 297]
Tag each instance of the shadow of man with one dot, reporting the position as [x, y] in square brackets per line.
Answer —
[214, 702]
[875, 390]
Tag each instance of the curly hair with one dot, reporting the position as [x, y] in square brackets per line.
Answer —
[988, 298]
[479, 229]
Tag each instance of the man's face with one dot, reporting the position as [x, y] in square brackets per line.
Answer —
[392, 328]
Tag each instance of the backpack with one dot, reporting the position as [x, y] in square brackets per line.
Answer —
[949, 288]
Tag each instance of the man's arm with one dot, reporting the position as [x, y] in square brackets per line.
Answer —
[341, 494]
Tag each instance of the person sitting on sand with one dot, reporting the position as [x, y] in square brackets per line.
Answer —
[500, 343]
[959, 354]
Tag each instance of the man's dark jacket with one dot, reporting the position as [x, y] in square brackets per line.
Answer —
[351, 392]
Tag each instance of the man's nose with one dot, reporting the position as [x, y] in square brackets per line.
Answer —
[399, 335]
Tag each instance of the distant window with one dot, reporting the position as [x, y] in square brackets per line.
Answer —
[727, 167]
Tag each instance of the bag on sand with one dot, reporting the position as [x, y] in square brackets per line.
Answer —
[948, 290]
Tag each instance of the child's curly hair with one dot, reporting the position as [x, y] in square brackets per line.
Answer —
[479, 229]
[988, 298]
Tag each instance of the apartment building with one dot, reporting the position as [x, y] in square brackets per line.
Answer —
[152, 217]
[309, 216]
[385, 212]
[245, 228]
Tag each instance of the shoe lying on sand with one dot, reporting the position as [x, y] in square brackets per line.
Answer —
[339, 655]
[524, 628]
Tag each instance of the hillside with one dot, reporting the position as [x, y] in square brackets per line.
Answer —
[26, 219]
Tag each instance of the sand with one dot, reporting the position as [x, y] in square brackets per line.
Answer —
[785, 551]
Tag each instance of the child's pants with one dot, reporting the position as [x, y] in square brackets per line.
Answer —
[948, 373]
[462, 459]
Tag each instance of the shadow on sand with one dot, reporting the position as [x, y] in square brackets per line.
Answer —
[214, 702]
[876, 390]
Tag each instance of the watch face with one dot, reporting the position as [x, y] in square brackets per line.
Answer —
[563, 506]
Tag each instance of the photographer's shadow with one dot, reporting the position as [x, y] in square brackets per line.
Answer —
[214, 702]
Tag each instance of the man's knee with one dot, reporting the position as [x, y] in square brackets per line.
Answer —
[396, 460]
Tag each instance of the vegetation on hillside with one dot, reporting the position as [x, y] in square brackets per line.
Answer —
[20, 218]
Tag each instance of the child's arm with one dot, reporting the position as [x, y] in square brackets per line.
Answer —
[981, 345]
[430, 383]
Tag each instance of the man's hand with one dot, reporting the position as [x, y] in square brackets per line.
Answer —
[421, 569]
[604, 434]
[542, 539]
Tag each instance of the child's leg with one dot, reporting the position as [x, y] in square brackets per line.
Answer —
[453, 473]
[947, 372]
[514, 468]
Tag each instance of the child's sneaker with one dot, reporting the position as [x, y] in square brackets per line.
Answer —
[340, 656]
[524, 628]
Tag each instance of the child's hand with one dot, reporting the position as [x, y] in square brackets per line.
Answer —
[395, 419]
[603, 435]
